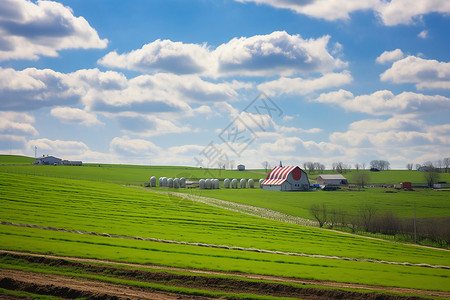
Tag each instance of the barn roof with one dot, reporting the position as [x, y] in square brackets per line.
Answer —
[278, 175]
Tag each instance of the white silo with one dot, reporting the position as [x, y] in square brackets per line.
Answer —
[234, 183]
[216, 184]
[201, 184]
[208, 184]
[182, 182]
[164, 181]
[153, 181]
[251, 183]
[226, 183]
[176, 183]
[243, 183]
[170, 183]
[260, 183]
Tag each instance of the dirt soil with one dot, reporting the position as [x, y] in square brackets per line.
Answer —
[75, 287]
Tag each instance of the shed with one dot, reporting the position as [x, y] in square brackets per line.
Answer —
[241, 168]
[406, 185]
[288, 178]
[332, 179]
[48, 160]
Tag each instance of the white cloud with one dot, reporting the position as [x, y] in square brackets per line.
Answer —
[29, 30]
[75, 116]
[299, 86]
[389, 56]
[33, 89]
[126, 146]
[162, 56]
[12, 143]
[397, 12]
[386, 103]
[425, 73]
[325, 9]
[66, 149]
[277, 53]
[423, 34]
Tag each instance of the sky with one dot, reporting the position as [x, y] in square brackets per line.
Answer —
[212, 83]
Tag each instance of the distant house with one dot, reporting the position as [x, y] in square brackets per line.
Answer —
[54, 161]
[289, 178]
[332, 179]
[241, 168]
[406, 185]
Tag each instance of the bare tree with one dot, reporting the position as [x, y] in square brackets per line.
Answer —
[446, 163]
[431, 174]
[380, 164]
[367, 214]
[361, 179]
[409, 166]
[319, 213]
[265, 165]
[357, 166]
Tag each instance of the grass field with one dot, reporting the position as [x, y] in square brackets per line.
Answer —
[111, 208]
[428, 203]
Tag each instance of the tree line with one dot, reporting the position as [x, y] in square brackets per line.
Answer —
[369, 219]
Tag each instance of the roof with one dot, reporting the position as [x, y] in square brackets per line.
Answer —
[332, 176]
[278, 175]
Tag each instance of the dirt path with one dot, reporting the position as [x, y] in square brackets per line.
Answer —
[328, 284]
[226, 247]
[75, 287]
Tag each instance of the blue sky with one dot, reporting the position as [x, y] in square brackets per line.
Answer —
[212, 82]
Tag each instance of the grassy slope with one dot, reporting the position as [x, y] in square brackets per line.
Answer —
[103, 207]
[15, 159]
[428, 203]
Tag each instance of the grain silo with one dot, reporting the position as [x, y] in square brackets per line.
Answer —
[201, 184]
[182, 182]
[251, 183]
[226, 183]
[170, 183]
[260, 183]
[164, 179]
[234, 183]
[176, 183]
[216, 184]
[243, 183]
[208, 184]
[152, 181]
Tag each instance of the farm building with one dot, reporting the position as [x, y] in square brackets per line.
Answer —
[51, 160]
[332, 179]
[48, 160]
[241, 168]
[288, 178]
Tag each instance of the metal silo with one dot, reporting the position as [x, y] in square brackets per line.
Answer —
[251, 183]
[243, 183]
[234, 183]
[226, 183]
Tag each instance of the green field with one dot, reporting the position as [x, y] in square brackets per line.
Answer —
[114, 209]
[56, 196]
[428, 203]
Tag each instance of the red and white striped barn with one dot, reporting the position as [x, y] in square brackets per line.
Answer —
[289, 178]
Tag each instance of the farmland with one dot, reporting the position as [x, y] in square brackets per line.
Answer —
[120, 218]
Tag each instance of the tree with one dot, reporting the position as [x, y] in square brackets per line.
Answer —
[409, 166]
[357, 166]
[446, 163]
[380, 164]
[265, 165]
[431, 174]
[361, 179]
[319, 213]
[367, 214]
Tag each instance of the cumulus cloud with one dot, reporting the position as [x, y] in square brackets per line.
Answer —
[425, 73]
[299, 86]
[397, 12]
[325, 9]
[126, 146]
[29, 30]
[77, 116]
[386, 103]
[162, 56]
[59, 147]
[12, 143]
[389, 56]
[277, 53]
[33, 89]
